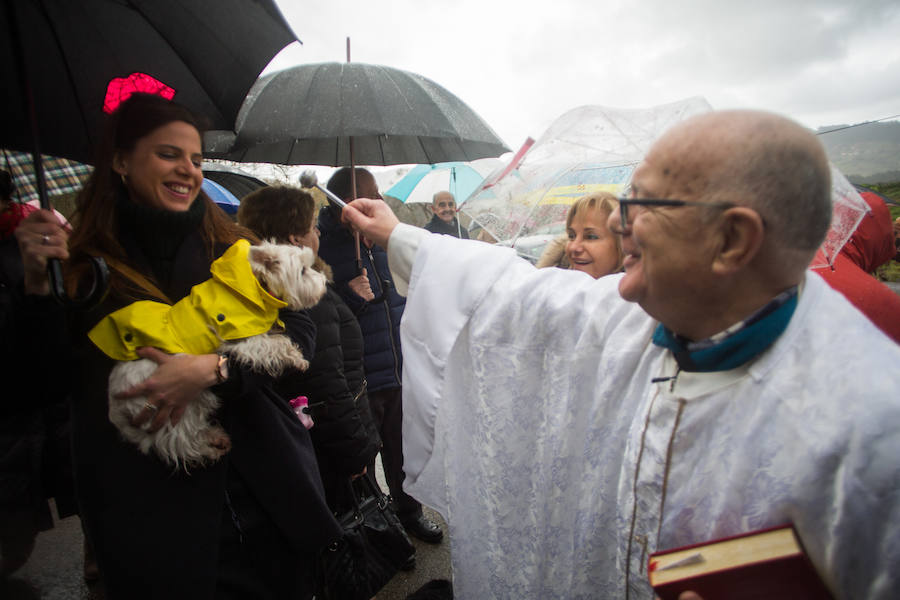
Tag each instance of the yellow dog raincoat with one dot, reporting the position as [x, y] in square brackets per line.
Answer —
[232, 305]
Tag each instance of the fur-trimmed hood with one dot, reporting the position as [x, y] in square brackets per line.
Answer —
[322, 267]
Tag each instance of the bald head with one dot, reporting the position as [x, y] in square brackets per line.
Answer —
[757, 194]
[762, 161]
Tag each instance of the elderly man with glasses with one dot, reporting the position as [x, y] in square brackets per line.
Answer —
[569, 427]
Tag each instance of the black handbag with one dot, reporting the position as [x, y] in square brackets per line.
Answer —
[373, 548]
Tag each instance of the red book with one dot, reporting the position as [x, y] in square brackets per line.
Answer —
[767, 564]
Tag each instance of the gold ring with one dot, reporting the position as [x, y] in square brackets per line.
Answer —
[148, 406]
[45, 239]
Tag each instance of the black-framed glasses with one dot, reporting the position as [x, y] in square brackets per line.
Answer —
[624, 203]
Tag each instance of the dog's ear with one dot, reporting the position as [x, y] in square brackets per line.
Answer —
[264, 258]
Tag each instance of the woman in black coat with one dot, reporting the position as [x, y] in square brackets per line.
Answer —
[246, 526]
[344, 434]
[35, 461]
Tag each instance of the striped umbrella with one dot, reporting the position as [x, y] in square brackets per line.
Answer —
[63, 176]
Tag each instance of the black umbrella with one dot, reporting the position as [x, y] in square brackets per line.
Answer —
[210, 51]
[307, 115]
[59, 57]
[239, 184]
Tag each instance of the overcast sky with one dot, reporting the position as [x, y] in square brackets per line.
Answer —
[521, 64]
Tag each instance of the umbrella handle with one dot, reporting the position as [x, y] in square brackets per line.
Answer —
[98, 289]
[54, 267]
[359, 264]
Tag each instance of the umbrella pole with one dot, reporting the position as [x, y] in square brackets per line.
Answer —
[359, 267]
[29, 106]
[453, 190]
[54, 266]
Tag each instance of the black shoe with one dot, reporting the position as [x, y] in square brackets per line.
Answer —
[424, 528]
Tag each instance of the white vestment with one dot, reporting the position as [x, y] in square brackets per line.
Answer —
[532, 425]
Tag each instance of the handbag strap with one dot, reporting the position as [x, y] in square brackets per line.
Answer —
[356, 507]
[382, 499]
[136, 277]
[375, 490]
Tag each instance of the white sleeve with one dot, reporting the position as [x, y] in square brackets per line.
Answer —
[448, 277]
[401, 250]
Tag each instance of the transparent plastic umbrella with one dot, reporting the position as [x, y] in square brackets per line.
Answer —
[587, 149]
[848, 209]
[595, 148]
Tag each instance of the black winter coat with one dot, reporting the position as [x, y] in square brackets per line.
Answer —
[155, 531]
[35, 456]
[343, 434]
[437, 225]
[378, 319]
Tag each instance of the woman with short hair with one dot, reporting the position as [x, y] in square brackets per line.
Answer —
[343, 432]
[587, 245]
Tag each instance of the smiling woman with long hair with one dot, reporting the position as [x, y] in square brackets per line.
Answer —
[247, 525]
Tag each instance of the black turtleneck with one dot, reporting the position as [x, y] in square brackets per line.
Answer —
[159, 233]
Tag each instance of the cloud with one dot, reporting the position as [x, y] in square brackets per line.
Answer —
[520, 65]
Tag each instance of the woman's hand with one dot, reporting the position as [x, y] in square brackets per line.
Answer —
[177, 380]
[360, 286]
[40, 237]
[360, 474]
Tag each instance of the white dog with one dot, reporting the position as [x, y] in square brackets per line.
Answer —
[285, 272]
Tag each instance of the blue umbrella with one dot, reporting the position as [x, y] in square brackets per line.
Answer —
[459, 178]
[221, 196]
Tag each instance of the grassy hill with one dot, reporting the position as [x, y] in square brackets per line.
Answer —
[866, 154]
[891, 270]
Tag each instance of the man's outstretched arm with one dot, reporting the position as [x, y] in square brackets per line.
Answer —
[373, 218]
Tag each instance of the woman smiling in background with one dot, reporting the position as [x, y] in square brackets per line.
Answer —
[588, 245]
